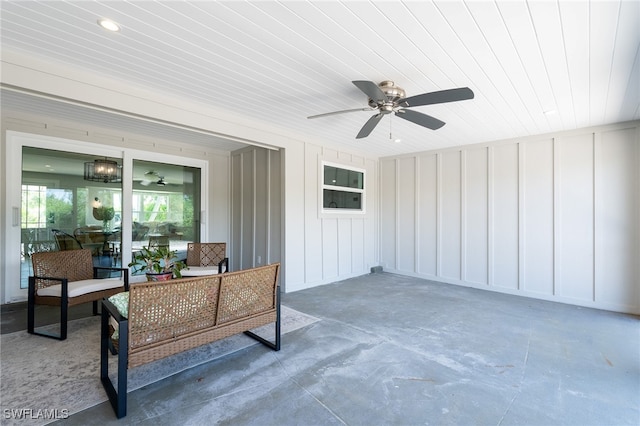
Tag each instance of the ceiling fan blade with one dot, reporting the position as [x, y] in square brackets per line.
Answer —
[340, 112]
[439, 97]
[371, 89]
[369, 126]
[421, 119]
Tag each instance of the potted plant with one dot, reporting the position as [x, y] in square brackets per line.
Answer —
[160, 264]
[105, 214]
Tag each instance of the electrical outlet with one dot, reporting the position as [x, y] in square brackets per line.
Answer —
[259, 260]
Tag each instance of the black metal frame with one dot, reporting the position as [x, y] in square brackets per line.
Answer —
[273, 345]
[64, 301]
[224, 262]
[118, 397]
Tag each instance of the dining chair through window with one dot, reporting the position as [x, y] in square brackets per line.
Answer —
[157, 241]
[66, 241]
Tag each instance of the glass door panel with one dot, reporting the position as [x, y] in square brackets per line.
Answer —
[163, 198]
[60, 210]
[165, 204]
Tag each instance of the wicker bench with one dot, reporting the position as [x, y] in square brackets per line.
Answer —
[165, 318]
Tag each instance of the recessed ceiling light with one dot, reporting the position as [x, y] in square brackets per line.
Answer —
[108, 24]
[398, 140]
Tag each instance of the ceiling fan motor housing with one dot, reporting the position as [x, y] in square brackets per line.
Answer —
[393, 94]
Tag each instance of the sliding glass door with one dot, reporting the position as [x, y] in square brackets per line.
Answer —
[62, 208]
[60, 198]
[165, 205]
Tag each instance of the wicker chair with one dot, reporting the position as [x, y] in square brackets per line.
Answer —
[208, 254]
[68, 278]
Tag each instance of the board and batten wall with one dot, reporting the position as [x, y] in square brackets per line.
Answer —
[256, 208]
[276, 198]
[553, 217]
[337, 246]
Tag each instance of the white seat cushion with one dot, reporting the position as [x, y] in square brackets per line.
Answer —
[78, 288]
[199, 271]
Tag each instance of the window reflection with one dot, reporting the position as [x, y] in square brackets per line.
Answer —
[62, 211]
[56, 213]
[165, 203]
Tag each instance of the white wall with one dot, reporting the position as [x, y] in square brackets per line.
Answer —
[315, 248]
[554, 217]
[323, 248]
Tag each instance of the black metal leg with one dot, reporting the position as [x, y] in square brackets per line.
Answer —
[104, 340]
[31, 305]
[64, 308]
[31, 310]
[275, 345]
[118, 399]
[123, 360]
[278, 322]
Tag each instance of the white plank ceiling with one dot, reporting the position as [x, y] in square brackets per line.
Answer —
[277, 62]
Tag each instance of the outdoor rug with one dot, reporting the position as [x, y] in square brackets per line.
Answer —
[43, 379]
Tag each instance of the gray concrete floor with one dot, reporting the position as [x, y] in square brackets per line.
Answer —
[395, 350]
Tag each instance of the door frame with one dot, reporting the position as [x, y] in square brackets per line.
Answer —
[15, 141]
